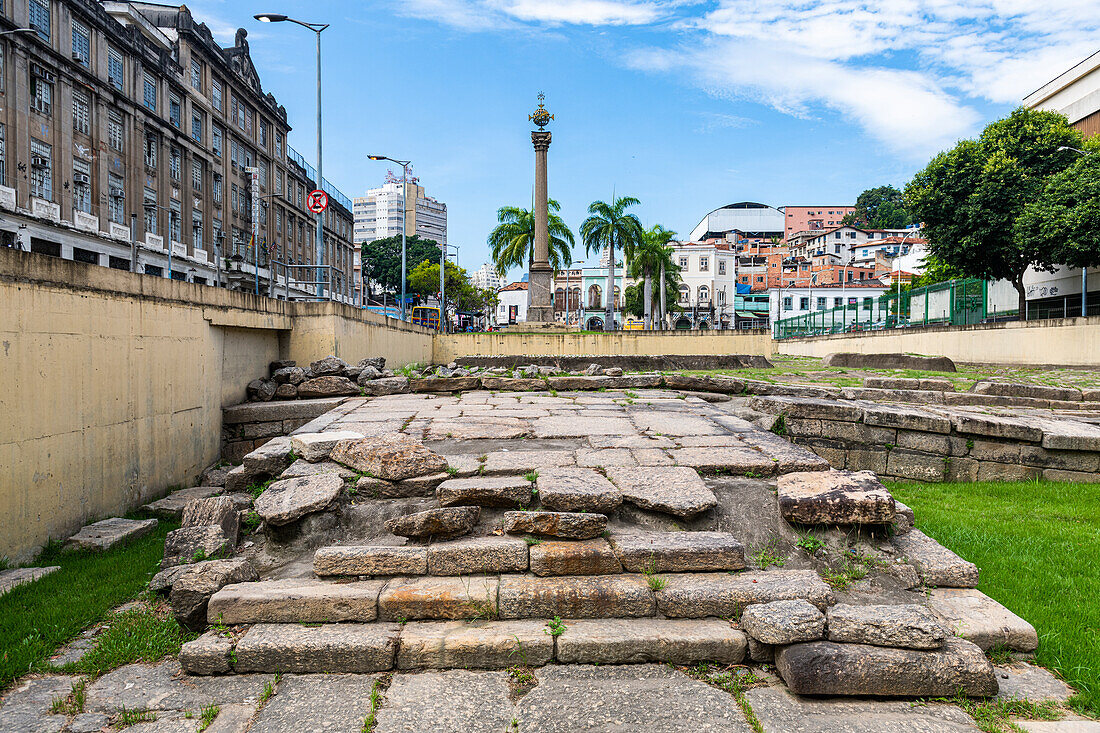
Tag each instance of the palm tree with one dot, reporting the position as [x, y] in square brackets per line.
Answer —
[609, 225]
[512, 241]
[650, 258]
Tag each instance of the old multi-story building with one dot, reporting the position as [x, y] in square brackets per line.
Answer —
[129, 137]
[378, 213]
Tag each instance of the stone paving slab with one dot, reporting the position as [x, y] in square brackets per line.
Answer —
[780, 711]
[474, 644]
[110, 533]
[630, 641]
[455, 701]
[161, 687]
[674, 490]
[27, 706]
[18, 576]
[294, 601]
[315, 704]
[976, 617]
[1021, 680]
[725, 595]
[1061, 726]
[647, 698]
[292, 647]
[173, 504]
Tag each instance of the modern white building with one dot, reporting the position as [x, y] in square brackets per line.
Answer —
[378, 213]
[512, 306]
[799, 301]
[486, 278]
[746, 220]
[709, 274]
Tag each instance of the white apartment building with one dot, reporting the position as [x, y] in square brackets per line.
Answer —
[799, 301]
[486, 278]
[512, 304]
[378, 213]
[708, 272]
[850, 245]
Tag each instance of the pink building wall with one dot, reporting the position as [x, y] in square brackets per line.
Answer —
[807, 218]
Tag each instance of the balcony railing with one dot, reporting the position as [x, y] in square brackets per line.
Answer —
[312, 173]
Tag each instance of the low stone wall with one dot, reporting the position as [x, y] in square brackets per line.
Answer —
[451, 346]
[633, 363]
[247, 426]
[1056, 341]
[902, 442]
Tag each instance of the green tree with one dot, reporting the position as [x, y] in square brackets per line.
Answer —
[1065, 218]
[382, 260]
[935, 270]
[970, 197]
[634, 297]
[651, 257]
[880, 208]
[460, 294]
[609, 226]
[512, 241]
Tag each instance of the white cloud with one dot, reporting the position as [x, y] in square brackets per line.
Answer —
[491, 14]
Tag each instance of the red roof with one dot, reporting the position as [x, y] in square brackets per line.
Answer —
[514, 286]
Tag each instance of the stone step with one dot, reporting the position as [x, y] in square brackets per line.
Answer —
[479, 644]
[295, 601]
[678, 552]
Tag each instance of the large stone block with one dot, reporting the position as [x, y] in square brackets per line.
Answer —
[937, 565]
[908, 626]
[219, 511]
[1035, 391]
[431, 597]
[740, 461]
[854, 432]
[288, 500]
[906, 418]
[889, 361]
[445, 384]
[473, 555]
[783, 622]
[506, 384]
[192, 590]
[441, 523]
[294, 600]
[678, 552]
[827, 668]
[172, 505]
[206, 655]
[109, 533]
[565, 525]
[474, 645]
[834, 497]
[370, 560]
[486, 491]
[725, 595]
[571, 489]
[634, 641]
[808, 408]
[190, 544]
[676, 490]
[574, 557]
[328, 386]
[385, 386]
[267, 460]
[997, 426]
[332, 648]
[914, 465]
[315, 447]
[390, 457]
[597, 596]
[976, 617]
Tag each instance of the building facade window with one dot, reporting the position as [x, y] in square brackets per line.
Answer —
[196, 126]
[175, 111]
[82, 185]
[803, 304]
[175, 163]
[704, 295]
[116, 198]
[196, 175]
[149, 94]
[216, 140]
[196, 75]
[41, 95]
[3, 158]
[39, 16]
[216, 94]
[820, 304]
[82, 44]
[217, 186]
[151, 145]
[115, 134]
[81, 112]
[721, 267]
[595, 297]
[196, 230]
[683, 263]
[175, 221]
[41, 170]
[115, 68]
[152, 213]
[704, 264]
[278, 145]
[787, 304]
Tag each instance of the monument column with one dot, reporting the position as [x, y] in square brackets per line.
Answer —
[540, 304]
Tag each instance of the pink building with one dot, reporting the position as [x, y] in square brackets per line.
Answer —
[812, 218]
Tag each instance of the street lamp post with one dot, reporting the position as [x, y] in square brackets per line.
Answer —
[320, 234]
[404, 208]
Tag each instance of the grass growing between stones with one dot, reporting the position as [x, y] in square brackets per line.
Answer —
[143, 634]
[734, 679]
[1036, 544]
[37, 618]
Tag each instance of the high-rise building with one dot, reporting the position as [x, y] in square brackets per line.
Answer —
[486, 278]
[129, 133]
[378, 213]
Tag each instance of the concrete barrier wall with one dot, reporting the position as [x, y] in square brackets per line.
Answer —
[115, 383]
[450, 346]
[1061, 341]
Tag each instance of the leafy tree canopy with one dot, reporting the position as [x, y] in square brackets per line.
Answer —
[970, 197]
[512, 241]
[460, 292]
[880, 208]
[382, 260]
[634, 298]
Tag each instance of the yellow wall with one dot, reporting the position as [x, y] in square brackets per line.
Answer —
[1062, 341]
[450, 346]
[114, 383]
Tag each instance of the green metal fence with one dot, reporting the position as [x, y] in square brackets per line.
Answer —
[957, 302]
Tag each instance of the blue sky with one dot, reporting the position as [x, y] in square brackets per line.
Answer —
[685, 105]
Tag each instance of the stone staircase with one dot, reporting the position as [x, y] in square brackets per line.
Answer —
[615, 564]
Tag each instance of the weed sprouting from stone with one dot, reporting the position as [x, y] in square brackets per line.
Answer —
[768, 556]
[207, 716]
[555, 627]
[532, 541]
[531, 476]
[734, 680]
[810, 544]
[125, 717]
[377, 691]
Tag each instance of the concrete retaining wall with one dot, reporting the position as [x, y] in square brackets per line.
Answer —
[1060, 341]
[450, 346]
[115, 382]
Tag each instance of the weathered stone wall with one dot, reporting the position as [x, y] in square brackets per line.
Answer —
[908, 443]
[247, 426]
[1058, 341]
[115, 382]
[448, 347]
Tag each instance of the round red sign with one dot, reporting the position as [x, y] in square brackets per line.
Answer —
[317, 201]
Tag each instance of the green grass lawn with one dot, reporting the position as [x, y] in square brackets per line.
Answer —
[37, 618]
[1038, 547]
